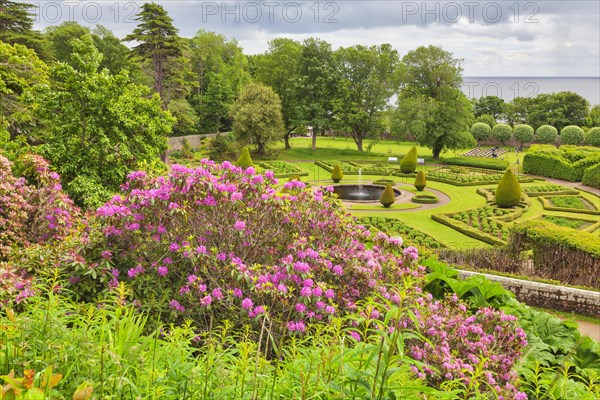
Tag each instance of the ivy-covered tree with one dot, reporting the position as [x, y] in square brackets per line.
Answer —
[368, 79]
[257, 116]
[100, 126]
[279, 68]
[158, 43]
[431, 105]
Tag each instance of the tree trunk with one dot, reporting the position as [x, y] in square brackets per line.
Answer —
[436, 153]
[286, 139]
[359, 142]
[314, 139]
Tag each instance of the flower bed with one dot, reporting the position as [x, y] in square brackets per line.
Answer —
[465, 176]
[584, 225]
[395, 227]
[425, 198]
[282, 169]
[546, 190]
[574, 204]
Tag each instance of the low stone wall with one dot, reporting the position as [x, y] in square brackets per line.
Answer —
[176, 142]
[584, 302]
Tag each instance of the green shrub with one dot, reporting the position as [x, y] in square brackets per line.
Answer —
[571, 135]
[486, 119]
[592, 137]
[591, 176]
[219, 147]
[245, 160]
[384, 182]
[502, 133]
[409, 161]
[546, 134]
[568, 162]
[481, 131]
[523, 133]
[508, 192]
[186, 149]
[388, 197]
[337, 173]
[420, 181]
[477, 162]
[425, 198]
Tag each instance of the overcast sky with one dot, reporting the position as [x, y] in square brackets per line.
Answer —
[495, 38]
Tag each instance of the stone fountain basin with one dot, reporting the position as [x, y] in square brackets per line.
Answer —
[361, 193]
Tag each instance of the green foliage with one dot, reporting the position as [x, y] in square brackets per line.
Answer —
[480, 131]
[492, 106]
[430, 104]
[568, 202]
[220, 69]
[592, 137]
[20, 70]
[591, 176]
[186, 149]
[544, 190]
[100, 126]
[337, 173]
[244, 161]
[567, 162]
[388, 197]
[546, 134]
[523, 133]
[384, 182]
[220, 147]
[567, 222]
[477, 162]
[257, 116]
[571, 135]
[508, 191]
[502, 133]
[368, 79]
[408, 164]
[558, 109]
[420, 181]
[16, 23]
[486, 119]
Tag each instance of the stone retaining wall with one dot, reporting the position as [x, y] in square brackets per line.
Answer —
[584, 302]
[176, 142]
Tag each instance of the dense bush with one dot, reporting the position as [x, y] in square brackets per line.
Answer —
[388, 197]
[591, 176]
[33, 210]
[408, 164]
[571, 135]
[337, 174]
[502, 133]
[244, 161]
[592, 137]
[523, 133]
[220, 146]
[420, 181]
[546, 134]
[508, 191]
[481, 131]
[477, 162]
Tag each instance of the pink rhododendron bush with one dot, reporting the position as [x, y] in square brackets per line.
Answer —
[34, 210]
[219, 243]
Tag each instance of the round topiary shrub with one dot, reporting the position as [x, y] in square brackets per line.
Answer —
[408, 164]
[425, 198]
[508, 191]
[546, 134]
[523, 133]
[384, 182]
[481, 131]
[592, 137]
[571, 135]
[337, 173]
[502, 133]
[245, 160]
[420, 181]
[388, 197]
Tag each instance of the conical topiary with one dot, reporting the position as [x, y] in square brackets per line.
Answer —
[388, 197]
[337, 173]
[245, 160]
[420, 181]
[408, 165]
[508, 192]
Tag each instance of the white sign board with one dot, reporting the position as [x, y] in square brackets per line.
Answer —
[392, 159]
[421, 161]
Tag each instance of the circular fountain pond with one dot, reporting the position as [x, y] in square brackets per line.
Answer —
[361, 192]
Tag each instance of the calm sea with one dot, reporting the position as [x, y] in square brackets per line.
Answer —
[510, 87]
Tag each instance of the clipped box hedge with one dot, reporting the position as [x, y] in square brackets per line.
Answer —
[477, 162]
[564, 254]
[547, 204]
[591, 176]
[425, 198]
[467, 230]
[567, 162]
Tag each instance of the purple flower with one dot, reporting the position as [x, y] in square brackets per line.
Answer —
[162, 270]
[173, 247]
[239, 225]
[247, 303]
[300, 308]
